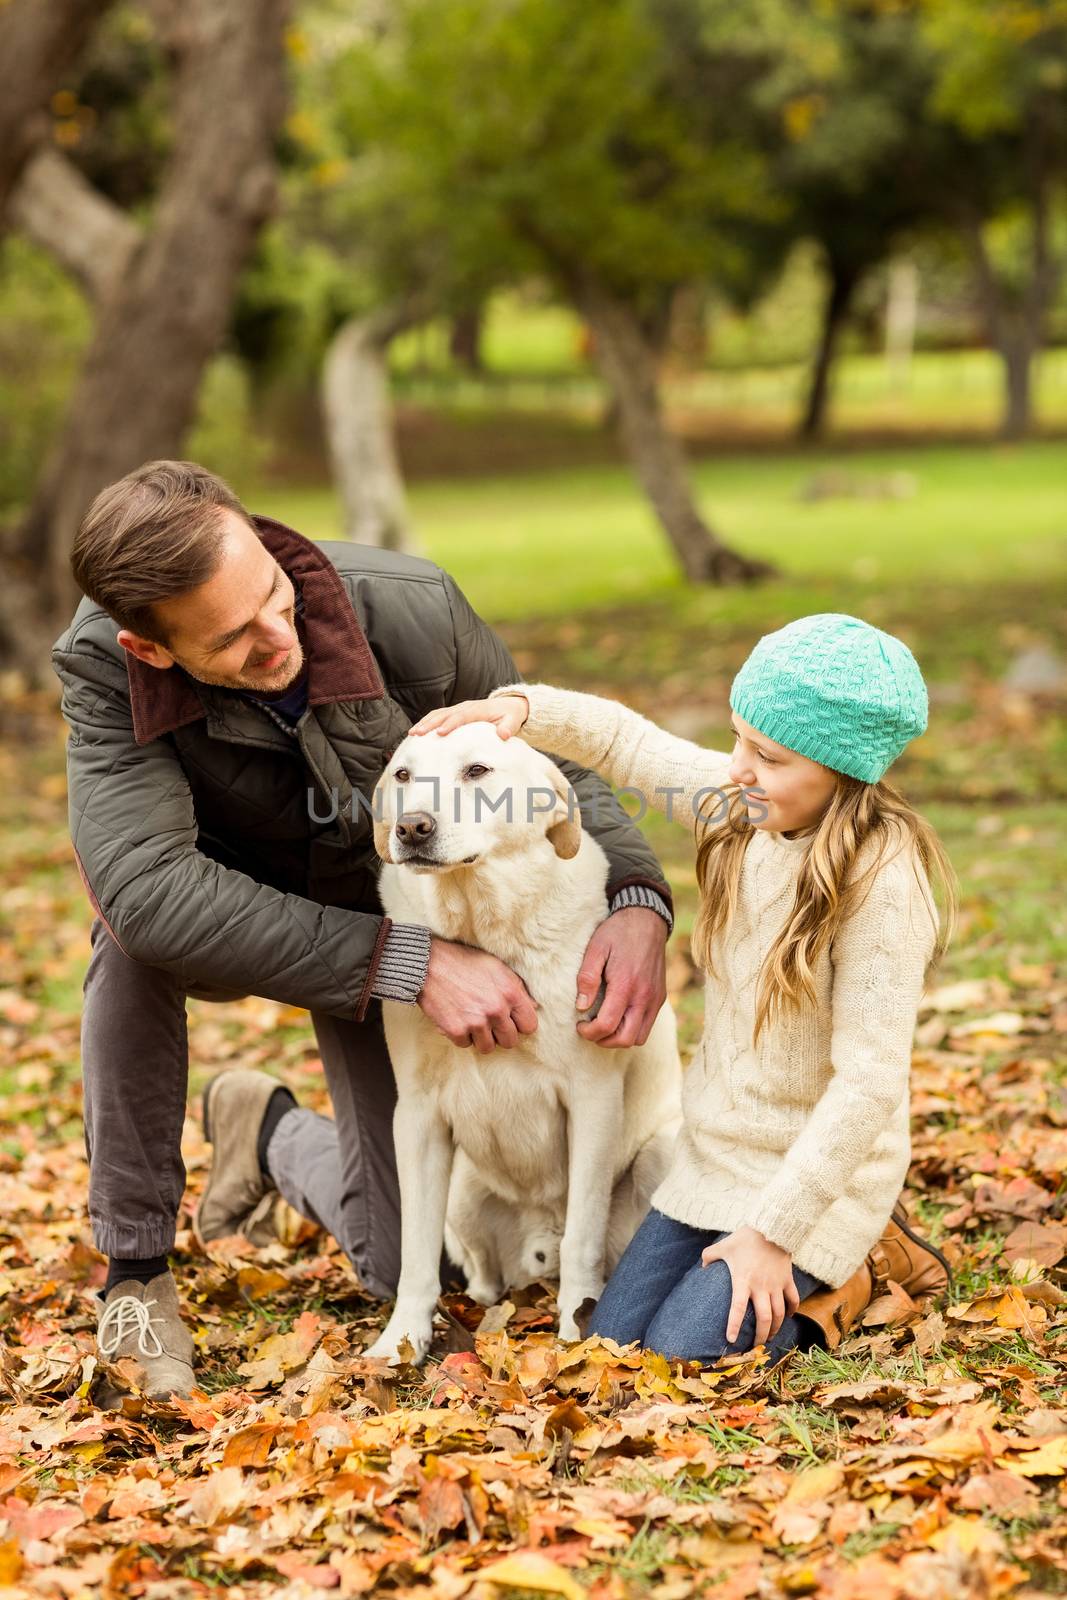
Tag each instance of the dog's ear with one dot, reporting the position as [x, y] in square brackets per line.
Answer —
[564, 832]
[382, 829]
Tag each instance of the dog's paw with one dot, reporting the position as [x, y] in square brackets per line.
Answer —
[404, 1341]
[574, 1315]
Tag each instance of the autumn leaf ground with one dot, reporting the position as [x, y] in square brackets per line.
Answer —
[927, 1457]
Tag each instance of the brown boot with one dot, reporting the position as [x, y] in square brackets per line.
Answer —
[237, 1197]
[143, 1320]
[900, 1255]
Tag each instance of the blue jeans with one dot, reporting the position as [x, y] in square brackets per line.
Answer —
[660, 1295]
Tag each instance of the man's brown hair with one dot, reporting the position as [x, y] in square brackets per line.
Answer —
[154, 534]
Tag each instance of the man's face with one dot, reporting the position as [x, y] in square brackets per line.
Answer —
[236, 630]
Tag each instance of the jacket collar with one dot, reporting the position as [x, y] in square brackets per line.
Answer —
[340, 663]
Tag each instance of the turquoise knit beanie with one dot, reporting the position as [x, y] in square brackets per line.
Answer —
[836, 689]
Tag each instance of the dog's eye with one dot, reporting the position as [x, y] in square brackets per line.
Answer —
[402, 775]
[476, 771]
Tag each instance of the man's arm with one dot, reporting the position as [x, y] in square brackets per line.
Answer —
[166, 903]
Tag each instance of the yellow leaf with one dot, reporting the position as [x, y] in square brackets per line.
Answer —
[605, 1533]
[969, 1534]
[257, 1283]
[816, 1483]
[1014, 1311]
[10, 1563]
[531, 1571]
[969, 1440]
[1049, 1460]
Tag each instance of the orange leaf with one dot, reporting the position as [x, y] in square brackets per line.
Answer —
[251, 1446]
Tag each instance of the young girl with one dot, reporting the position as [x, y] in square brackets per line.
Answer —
[817, 929]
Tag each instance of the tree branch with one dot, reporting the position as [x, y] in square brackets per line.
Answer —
[56, 207]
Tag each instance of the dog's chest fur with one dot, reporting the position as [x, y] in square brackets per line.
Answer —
[508, 1111]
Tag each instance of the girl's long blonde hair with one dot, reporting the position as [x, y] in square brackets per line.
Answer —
[826, 891]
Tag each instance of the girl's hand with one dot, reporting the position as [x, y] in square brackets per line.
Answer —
[761, 1272]
[508, 712]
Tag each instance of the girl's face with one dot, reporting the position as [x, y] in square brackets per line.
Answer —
[793, 790]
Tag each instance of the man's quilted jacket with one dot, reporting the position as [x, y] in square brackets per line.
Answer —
[200, 825]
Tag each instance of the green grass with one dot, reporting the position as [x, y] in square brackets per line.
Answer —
[970, 570]
[555, 543]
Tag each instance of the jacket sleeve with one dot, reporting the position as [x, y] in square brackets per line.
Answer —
[483, 663]
[166, 903]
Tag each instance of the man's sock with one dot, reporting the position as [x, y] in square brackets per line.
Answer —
[279, 1105]
[141, 1268]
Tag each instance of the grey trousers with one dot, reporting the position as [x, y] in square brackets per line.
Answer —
[135, 1064]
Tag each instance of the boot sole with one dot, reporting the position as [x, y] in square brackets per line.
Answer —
[924, 1244]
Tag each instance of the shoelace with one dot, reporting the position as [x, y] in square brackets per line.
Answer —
[124, 1316]
[261, 1212]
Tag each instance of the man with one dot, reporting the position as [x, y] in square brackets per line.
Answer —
[233, 692]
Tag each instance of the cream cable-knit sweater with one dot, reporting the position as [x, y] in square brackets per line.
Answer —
[805, 1137]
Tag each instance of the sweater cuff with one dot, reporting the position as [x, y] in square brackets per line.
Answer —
[404, 961]
[783, 1215]
[638, 894]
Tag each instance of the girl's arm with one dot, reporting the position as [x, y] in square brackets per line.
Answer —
[672, 775]
[879, 960]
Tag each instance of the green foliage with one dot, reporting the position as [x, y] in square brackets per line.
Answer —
[224, 436]
[1002, 64]
[490, 142]
[44, 326]
[116, 122]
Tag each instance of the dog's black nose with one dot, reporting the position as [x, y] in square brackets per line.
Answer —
[415, 827]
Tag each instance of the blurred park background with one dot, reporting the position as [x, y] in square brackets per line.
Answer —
[658, 323]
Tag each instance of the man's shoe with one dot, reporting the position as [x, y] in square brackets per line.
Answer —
[901, 1255]
[237, 1198]
[143, 1320]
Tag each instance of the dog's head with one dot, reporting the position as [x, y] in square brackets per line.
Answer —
[447, 801]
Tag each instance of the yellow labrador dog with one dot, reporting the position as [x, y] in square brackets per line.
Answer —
[540, 1158]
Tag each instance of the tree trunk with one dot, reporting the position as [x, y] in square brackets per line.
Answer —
[843, 281]
[1018, 354]
[1014, 318]
[465, 339]
[39, 41]
[165, 313]
[359, 430]
[629, 369]
[688, 333]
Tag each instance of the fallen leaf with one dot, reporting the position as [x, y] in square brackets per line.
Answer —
[530, 1571]
[250, 1447]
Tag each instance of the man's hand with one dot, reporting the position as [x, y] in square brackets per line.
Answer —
[627, 953]
[473, 998]
[761, 1272]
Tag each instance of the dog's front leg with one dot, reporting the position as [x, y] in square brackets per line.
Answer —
[424, 1164]
[594, 1134]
